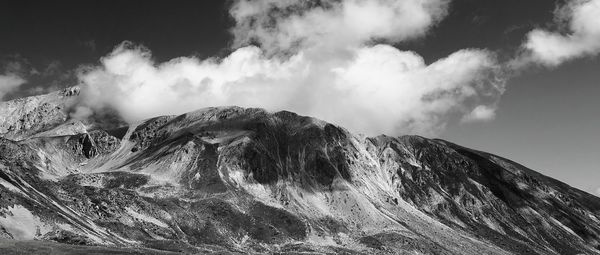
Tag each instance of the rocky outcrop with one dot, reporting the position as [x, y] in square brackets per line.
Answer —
[505, 203]
[24, 117]
[93, 144]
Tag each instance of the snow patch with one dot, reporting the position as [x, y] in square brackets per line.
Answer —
[562, 226]
[146, 218]
[491, 223]
[22, 224]
[10, 187]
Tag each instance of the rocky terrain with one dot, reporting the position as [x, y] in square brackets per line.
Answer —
[231, 180]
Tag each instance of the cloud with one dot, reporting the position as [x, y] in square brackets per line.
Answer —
[480, 113]
[37, 79]
[394, 91]
[9, 83]
[580, 18]
[280, 25]
[330, 60]
[14, 72]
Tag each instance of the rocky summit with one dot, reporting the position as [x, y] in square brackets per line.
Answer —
[231, 180]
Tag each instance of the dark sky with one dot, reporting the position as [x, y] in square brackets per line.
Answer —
[81, 31]
[75, 32]
[547, 120]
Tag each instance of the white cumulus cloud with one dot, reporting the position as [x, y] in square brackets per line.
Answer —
[286, 24]
[581, 20]
[9, 83]
[480, 113]
[330, 60]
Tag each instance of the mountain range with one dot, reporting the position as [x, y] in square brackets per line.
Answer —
[231, 180]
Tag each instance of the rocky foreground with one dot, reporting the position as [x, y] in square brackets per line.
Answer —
[235, 180]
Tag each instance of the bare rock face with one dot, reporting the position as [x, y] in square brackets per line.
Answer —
[23, 117]
[148, 132]
[245, 180]
[93, 144]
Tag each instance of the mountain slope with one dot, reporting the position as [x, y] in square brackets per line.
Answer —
[238, 180]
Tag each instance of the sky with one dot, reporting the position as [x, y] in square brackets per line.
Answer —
[522, 83]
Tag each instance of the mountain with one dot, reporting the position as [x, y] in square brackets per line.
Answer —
[232, 180]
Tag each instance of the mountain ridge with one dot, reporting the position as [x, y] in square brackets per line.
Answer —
[237, 180]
